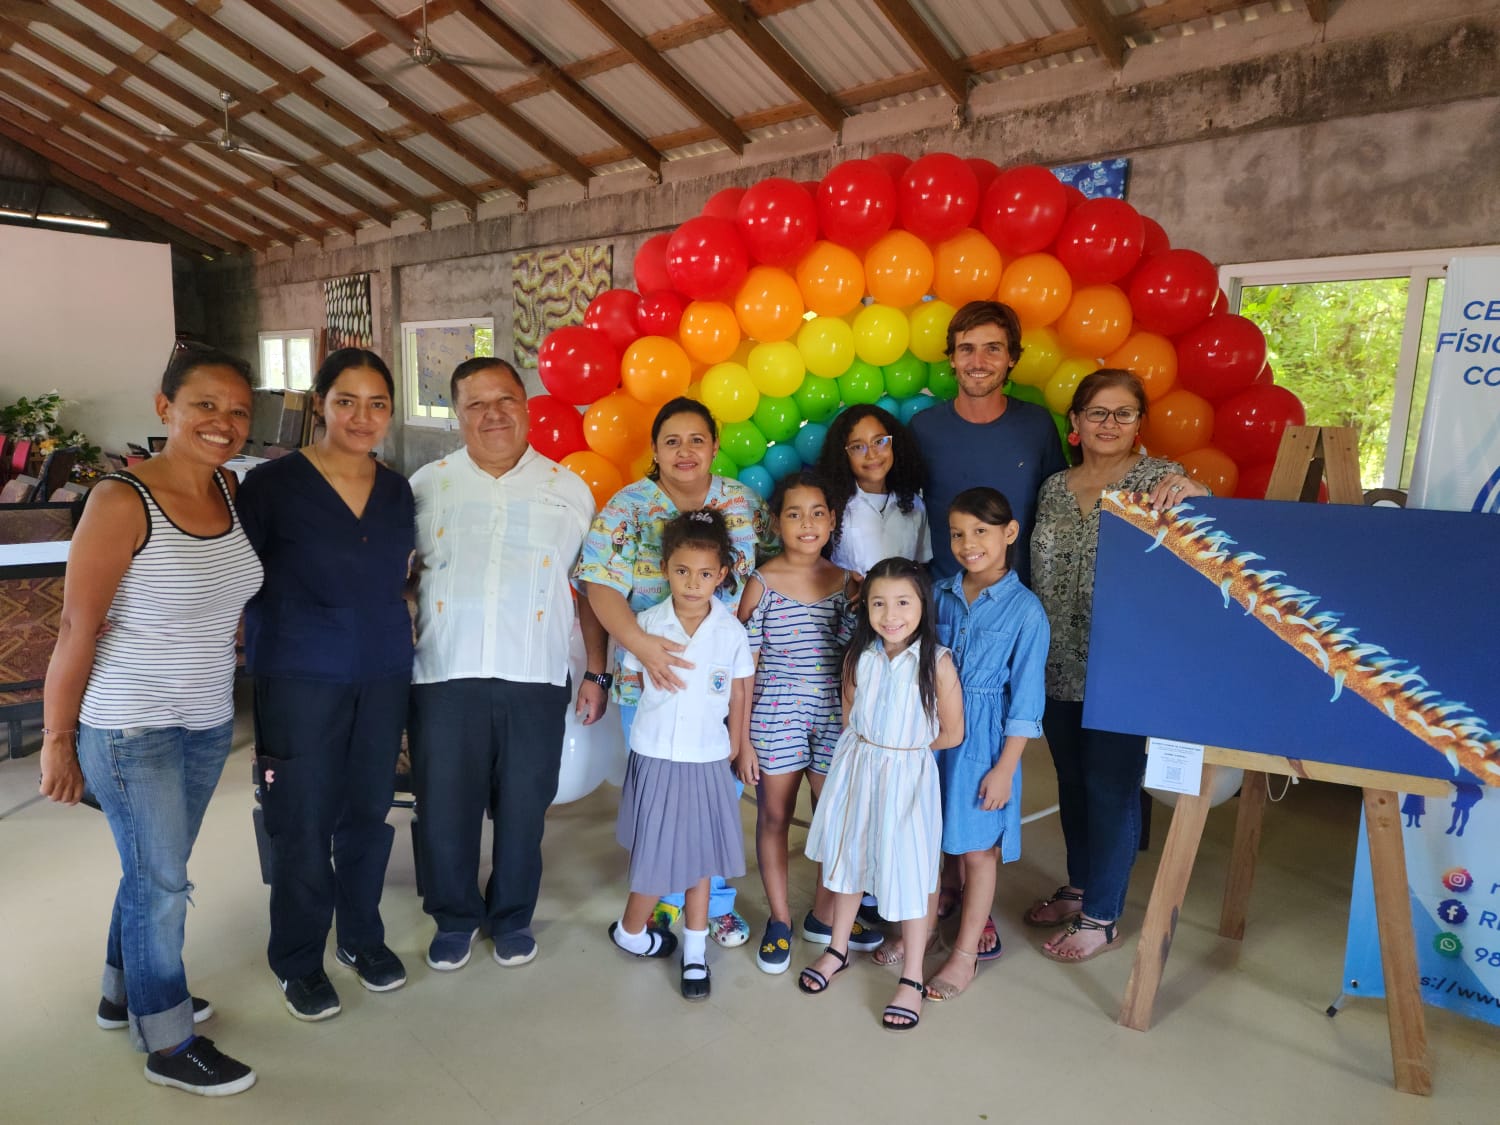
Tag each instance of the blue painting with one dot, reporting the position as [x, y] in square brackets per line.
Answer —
[1331, 633]
[1097, 179]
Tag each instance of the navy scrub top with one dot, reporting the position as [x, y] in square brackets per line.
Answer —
[331, 608]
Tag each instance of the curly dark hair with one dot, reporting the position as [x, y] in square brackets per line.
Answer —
[907, 469]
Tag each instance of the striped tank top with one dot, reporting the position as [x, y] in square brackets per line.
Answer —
[167, 659]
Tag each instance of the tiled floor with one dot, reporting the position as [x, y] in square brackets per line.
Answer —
[584, 1034]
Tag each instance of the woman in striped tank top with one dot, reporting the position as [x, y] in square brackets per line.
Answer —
[139, 700]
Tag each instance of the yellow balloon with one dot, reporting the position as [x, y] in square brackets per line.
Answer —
[881, 335]
[729, 393]
[1040, 354]
[929, 330]
[642, 463]
[827, 346]
[777, 369]
[1059, 389]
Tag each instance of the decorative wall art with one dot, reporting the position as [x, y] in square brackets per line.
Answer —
[553, 289]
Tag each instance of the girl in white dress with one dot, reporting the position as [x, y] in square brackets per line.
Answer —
[878, 825]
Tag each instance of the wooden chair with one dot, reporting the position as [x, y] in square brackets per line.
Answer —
[55, 471]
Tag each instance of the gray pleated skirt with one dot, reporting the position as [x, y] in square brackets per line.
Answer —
[680, 822]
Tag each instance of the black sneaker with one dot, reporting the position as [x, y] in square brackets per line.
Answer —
[115, 1017]
[200, 1068]
[378, 968]
[862, 939]
[312, 997]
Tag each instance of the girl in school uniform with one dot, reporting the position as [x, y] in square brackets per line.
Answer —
[998, 634]
[679, 815]
[879, 822]
[874, 474]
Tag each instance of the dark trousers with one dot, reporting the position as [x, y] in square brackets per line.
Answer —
[1099, 775]
[327, 754]
[477, 745]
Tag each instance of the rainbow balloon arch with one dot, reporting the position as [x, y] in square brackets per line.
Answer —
[783, 303]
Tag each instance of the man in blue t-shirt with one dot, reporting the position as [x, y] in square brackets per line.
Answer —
[983, 437]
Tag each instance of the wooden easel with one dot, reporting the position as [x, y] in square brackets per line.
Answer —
[1307, 454]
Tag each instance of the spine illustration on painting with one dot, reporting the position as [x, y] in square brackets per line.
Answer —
[1383, 680]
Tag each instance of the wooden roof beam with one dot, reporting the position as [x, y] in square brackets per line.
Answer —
[649, 59]
[249, 100]
[779, 61]
[294, 83]
[1102, 28]
[485, 98]
[117, 210]
[920, 37]
[435, 126]
[543, 68]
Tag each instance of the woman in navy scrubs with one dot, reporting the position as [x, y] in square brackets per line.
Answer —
[329, 643]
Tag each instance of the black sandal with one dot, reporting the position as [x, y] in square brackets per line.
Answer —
[695, 988]
[663, 942]
[895, 1010]
[809, 976]
[1062, 894]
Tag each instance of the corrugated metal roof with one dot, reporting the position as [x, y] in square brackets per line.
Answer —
[730, 74]
[640, 100]
[843, 43]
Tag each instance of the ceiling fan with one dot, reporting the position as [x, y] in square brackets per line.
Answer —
[225, 141]
[423, 53]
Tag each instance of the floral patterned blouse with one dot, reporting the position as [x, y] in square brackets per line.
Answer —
[1064, 546]
[623, 550]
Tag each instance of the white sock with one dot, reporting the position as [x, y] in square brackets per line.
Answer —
[629, 942]
[694, 952]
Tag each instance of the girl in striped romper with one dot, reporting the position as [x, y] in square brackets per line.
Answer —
[878, 825]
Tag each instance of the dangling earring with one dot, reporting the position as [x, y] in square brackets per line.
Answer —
[1073, 438]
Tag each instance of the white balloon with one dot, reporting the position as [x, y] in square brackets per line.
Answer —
[590, 754]
[1227, 781]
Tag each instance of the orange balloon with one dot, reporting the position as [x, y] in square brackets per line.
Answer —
[1212, 467]
[602, 477]
[898, 269]
[831, 278]
[1179, 421]
[616, 427]
[1038, 287]
[965, 268]
[769, 305]
[655, 370]
[1096, 321]
[708, 331]
[642, 464]
[1153, 360]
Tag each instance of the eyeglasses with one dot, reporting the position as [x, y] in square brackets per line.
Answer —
[860, 448]
[1125, 415]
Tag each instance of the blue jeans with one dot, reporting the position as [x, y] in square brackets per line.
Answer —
[153, 785]
[721, 893]
[1099, 775]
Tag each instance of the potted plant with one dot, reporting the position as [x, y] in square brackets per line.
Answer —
[35, 419]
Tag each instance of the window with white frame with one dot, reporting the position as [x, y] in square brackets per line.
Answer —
[1353, 337]
[286, 360]
[430, 350]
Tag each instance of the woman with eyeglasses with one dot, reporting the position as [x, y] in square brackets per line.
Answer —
[874, 473]
[1099, 772]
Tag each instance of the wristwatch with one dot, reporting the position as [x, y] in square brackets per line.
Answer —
[603, 679]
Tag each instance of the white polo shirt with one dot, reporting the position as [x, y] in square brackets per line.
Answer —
[688, 725]
[493, 599]
[874, 528]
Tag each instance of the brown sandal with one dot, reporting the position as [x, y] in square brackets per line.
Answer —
[1112, 940]
[1062, 894]
[940, 989]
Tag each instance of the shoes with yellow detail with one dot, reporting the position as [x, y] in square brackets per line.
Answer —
[775, 953]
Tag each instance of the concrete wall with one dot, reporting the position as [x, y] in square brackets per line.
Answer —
[1376, 132]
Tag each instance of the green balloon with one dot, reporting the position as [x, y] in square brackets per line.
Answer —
[941, 381]
[723, 466]
[863, 382]
[1061, 422]
[743, 442]
[1027, 394]
[777, 418]
[817, 398]
[905, 377]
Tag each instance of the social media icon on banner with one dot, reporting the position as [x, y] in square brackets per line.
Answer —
[1457, 879]
[1448, 945]
[1453, 912]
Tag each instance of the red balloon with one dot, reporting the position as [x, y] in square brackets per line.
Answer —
[1073, 196]
[1221, 302]
[856, 203]
[1100, 241]
[556, 427]
[724, 204]
[1022, 210]
[893, 164]
[707, 260]
[937, 196]
[985, 172]
[1157, 241]
[578, 365]
[660, 313]
[778, 221]
[1253, 480]
[1249, 425]
[651, 265]
[1220, 357]
[614, 312]
[1266, 377]
[1173, 291]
